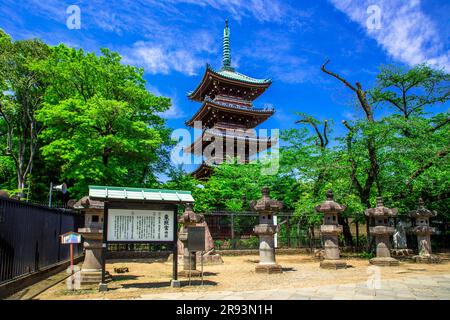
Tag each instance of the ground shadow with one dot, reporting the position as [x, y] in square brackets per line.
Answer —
[198, 282]
[154, 285]
[146, 285]
[123, 277]
[252, 261]
[288, 269]
[205, 274]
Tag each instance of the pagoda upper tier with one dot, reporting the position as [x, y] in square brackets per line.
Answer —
[229, 83]
[227, 116]
[234, 113]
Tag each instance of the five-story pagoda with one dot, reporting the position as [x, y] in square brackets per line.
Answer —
[227, 116]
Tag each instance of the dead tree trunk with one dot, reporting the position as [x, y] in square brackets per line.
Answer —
[363, 190]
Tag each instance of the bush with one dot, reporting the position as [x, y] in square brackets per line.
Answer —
[366, 255]
[250, 243]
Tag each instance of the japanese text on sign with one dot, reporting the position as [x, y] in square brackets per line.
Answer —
[140, 225]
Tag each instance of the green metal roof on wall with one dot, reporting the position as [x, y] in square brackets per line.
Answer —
[127, 193]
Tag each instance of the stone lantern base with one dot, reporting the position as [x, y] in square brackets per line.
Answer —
[268, 268]
[384, 262]
[333, 264]
[427, 259]
[189, 273]
[93, 277]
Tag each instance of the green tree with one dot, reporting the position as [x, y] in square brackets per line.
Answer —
[410, 91]
[100, 123]
[21, 96]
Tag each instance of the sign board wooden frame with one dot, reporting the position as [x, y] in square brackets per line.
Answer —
[145, 206]
[70, 238]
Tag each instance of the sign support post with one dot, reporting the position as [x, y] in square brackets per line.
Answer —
[71, 264]
[71, 238]
[175, 283]
[104, 286]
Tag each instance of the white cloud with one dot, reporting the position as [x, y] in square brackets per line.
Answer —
[157, 59]
[187, 54]
[262, 10]
[406, 33]
[174, 112]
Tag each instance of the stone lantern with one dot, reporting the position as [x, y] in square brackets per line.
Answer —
[92, 233]
[382, 231]
[188, 219]
[266, 230]
[423, 231]
[330, 231]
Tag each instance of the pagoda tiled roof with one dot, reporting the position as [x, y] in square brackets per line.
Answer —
[231, 73]
[208, 102]
[202, 172]
[263, 142]
[227, 74]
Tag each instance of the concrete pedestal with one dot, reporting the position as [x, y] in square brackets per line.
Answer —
[383, 249]
[269, 269]
[189, 265]
[189, 259]
[331, 258]
[384, 262]
[91, 270]
[424, 241]
[427, 259]
[333, 264]
[267, 263]
[175, 283]
[423, 231]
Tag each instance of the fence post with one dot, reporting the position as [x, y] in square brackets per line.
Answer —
[233, 243]
[357, 235]
[288, 232]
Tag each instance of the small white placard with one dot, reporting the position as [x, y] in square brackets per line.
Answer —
[71, 237]
[129, 225]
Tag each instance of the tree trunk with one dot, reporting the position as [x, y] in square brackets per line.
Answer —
[348, 238]
[357, 234]
[20, 185]
[368, 235]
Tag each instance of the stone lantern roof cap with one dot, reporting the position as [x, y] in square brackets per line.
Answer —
[88, 203]
[422, 211]
[189, 216]
[265, 204]
[380, 210]
[330, 206]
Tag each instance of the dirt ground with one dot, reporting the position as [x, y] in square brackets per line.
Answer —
[236, 274]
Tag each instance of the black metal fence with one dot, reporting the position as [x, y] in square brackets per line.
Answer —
[234, 230]
[29, 237]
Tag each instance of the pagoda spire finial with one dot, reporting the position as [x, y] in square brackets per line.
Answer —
[226, 60]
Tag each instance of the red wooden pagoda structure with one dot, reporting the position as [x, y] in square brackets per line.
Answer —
[227, 115]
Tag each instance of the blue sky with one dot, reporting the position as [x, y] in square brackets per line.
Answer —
[286, 41]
